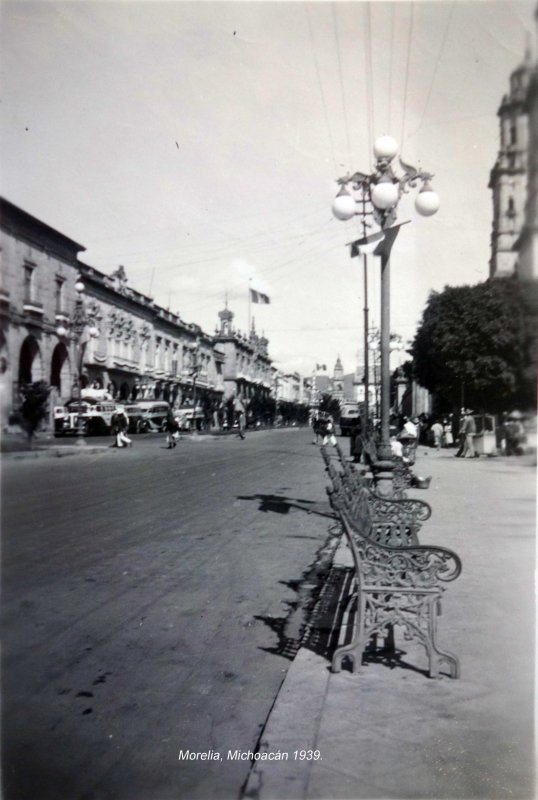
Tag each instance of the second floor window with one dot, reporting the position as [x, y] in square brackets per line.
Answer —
[29, 283]
[60, 295]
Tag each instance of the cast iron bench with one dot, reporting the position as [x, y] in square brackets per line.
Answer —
[396, 585]
[390, 521]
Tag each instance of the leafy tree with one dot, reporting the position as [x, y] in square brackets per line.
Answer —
[34, 406]
[476, 345]
[330, 405]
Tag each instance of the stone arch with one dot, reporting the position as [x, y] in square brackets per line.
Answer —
[60, 376]
[30, 362]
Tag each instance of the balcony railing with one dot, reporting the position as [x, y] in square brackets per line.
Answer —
[33, 307]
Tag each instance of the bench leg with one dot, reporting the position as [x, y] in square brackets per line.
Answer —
[355, 649]
[435, 654]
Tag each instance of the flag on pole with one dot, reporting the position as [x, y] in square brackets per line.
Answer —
[259, 297]
[378, 243]
[320, 366]
[367, 244]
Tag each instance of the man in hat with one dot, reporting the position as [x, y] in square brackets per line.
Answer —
[461, 434]
[469, 432]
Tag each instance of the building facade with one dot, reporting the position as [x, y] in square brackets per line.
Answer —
[247, 367]
[138, 349]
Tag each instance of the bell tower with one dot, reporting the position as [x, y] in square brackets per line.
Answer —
[509, 175]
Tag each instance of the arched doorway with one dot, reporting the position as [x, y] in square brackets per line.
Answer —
[30, 362]
[59, 369]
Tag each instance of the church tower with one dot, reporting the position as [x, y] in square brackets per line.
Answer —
[527, 265]
[226, 319]
[509, 175]
[337, 390]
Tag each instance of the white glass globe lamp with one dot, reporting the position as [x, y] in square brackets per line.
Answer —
[93, 331]
[79, 286]
[427, 202]
[385, 194]
[61, 331]
[386, 147]
[344, 206]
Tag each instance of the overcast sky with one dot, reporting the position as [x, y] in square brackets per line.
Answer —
[198, 143]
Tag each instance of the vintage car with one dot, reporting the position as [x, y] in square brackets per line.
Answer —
[189, 418]
[61, 420]
[154, 413]
[138, 422]
[349, 416]
[96, 416]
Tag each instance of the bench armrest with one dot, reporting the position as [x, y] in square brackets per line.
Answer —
[418, 509]
[416, 566]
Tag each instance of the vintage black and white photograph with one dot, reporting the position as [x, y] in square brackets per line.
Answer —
[284, 256]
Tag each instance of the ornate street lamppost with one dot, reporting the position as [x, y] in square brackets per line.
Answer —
[78, 323]
[384, 188]
[195, 368]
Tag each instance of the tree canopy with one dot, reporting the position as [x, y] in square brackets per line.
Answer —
[476, 345]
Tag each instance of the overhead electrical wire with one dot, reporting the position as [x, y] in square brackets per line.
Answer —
[391, 50]
[369, 77]
[320, 85]
[407, 64]
[342, 91]
[436, 66]
[163, 268]
[234, 250]
[216, 244]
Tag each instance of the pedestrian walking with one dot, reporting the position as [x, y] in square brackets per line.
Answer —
[171, 426]
[514, 434]
[437, 434]
[448, 439]
[317, 426]
[469, 432]
[356, 442]
[329, 436]
[242, 422]
[461, 434]
[119, 427]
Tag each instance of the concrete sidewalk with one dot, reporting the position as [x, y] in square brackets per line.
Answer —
[390, 731]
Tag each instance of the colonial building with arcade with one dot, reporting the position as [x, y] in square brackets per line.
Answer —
[129, 345]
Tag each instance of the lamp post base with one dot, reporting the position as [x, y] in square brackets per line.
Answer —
[383, 478]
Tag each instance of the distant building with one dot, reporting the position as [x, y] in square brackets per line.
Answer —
[247, 368]
[336, 386]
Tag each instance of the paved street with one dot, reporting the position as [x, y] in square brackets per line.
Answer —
[144, 597]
